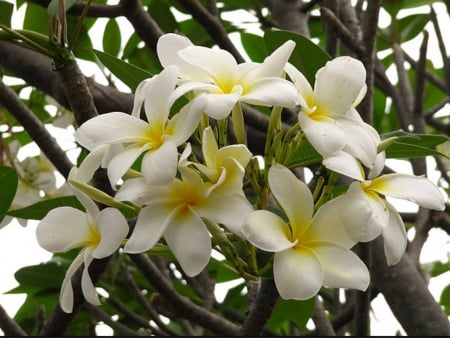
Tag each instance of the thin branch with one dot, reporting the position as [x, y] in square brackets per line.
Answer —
[260, 309]
[212, 25]
[362, 299]
[95, 10]
[143, 24]
[321, 321]
[119, 328]
[183, 306]
[442, 48]
[9, 325]
[35, 128]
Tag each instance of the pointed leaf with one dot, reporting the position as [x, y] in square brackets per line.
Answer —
[38, 210]
[8, 182]
[112, 38]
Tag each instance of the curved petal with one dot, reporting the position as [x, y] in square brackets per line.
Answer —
[134, 190]
[66, 293]
[266, 92]
[110, 128]
[219, 106]
[394, 237]
[62, 229]
[113, 229]
[157, 103]
[325, 135]
[87, 286]
[361, 143]
[267, 231]
[229, 210]
[338, 84]
[183, 124]
[342, 221]
[209, 147]
[168, 46]
[273, 65]
[151, 223]
[342, 268]
[379, 218]
[345, 164]
[238, 152]
[190, 242]
[412, 188]
[160, 166]
[298, 273]
[219, 65]
[301, 83]
[123, 161]
[294, 197]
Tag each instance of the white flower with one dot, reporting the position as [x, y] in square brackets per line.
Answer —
[216, 72]
[158, 138]
[98, 233]
[385, 219]
[310, 250]
[175, 211]
[224, 167]
[328, 117]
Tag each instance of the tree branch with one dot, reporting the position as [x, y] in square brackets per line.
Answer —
[9, 325]
[37, 131]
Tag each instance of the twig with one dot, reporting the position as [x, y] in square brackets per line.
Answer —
[120, 329]
[183, 306]
[321, 321]
[35, 128]
[212, 25]
[260, 309]
[9, 325]
[362, 299]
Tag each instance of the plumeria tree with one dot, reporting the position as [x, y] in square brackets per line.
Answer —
[206, 153]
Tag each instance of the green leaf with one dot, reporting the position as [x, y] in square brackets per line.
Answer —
[305, 155]
[412, 25]
[112, 38]
[445, 299]
[6, 10]
[307, 56]
[410, 145]
[126, 72]
[8, 182]
[291, 311]
[38, 210]
[254, 46]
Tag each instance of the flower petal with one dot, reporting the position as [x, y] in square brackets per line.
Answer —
[338, 84]
[159, 166]
[87, 286]
[218, 106]
[267, 231]
[168, 46]
[293, 195]
[66, 293]
[273, 65]
[301, 83]
[123, 161]
[298, 273]
[190, 242]
[342, 268]
[342, 221]
[62, 229]
[151, 223]
[345, 164]
[412, 188]
[113, 228]
[182, 125]
[109, 128]
[394, 237]
[229, 210]
[325, 135]
[157, 95]
[266, 91]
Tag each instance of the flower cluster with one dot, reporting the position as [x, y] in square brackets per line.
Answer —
[193, 189]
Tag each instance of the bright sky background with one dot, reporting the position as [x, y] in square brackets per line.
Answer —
[18, 245]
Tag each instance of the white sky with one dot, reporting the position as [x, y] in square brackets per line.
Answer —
[18, 246]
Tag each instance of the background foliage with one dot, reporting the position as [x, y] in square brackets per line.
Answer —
[408, 97]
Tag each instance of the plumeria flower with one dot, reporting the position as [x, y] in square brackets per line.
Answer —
[385, 219]
[328, 116]
[311, 251]
[224, 167]
[99, 233]
[157, 139]
[216, 72]
[175, 211]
